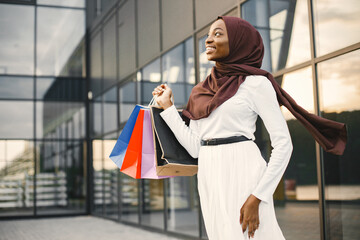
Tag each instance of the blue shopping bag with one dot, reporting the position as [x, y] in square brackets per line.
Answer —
[118, 153]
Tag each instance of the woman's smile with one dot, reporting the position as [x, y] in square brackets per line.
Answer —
[210, 49]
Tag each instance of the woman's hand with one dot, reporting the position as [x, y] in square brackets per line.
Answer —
[164, 94]
[249, 215]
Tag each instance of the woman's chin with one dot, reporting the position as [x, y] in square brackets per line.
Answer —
[210, 58]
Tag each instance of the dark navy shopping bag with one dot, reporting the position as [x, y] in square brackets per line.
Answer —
[118, 153]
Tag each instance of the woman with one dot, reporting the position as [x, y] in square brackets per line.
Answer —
[235, 183]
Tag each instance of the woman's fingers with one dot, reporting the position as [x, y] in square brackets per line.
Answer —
[249, 222]
[251, 229]
[253, 226]
[158, 90]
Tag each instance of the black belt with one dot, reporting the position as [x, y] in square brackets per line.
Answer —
[218, 141]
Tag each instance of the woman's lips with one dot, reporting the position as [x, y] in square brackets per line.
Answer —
[210, 49]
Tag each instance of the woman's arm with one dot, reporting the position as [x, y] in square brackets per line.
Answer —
[265, 104]
[188, 137]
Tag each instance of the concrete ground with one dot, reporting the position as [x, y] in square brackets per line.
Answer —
[74, 228]
[298, 221]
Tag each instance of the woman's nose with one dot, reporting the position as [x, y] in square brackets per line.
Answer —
[208, 40]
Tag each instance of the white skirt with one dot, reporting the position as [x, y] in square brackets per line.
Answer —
[227, 175]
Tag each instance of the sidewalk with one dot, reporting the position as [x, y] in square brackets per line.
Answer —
[74, 228]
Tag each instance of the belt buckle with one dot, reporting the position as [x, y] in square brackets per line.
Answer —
[207, 141]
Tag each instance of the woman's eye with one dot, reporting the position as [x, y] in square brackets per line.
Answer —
[217, 34]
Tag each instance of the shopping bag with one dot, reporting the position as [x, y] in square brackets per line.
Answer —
[148, 159]
[132, 160]
[171, 157]
[118, 153]
[134, 151]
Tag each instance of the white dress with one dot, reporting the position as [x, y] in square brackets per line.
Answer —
[229, 173]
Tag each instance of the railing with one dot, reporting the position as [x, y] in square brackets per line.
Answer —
[105, 187]
[51, 190]
[11, 194]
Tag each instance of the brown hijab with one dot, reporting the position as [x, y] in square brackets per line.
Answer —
[245, 58]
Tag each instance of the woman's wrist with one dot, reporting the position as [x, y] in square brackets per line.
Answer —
[255, 199]
[167, 105]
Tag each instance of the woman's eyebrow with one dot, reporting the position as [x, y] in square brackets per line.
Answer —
[217, 28]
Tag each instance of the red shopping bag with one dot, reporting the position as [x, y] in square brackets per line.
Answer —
[132, 160]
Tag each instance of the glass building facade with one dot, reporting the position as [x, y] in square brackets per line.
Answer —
[72, 71]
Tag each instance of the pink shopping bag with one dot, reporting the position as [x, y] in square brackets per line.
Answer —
[148, 164]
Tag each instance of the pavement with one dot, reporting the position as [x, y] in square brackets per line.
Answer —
[298, 221]
[74, 228]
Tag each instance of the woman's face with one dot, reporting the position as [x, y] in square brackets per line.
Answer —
[217, 42]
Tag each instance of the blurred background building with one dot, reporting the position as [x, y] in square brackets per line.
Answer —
[71, 72]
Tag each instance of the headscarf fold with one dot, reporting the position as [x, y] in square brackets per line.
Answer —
[244, 59]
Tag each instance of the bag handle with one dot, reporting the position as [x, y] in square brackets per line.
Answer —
[153, 102]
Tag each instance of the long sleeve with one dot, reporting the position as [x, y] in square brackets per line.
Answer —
[188, 137]
[265, 104]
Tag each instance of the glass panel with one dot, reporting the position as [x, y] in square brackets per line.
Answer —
[189, 67]
[98, 177]
[67, 3]
[110, 110]
[153, 203]
[129, 199]
[298, 191]
[110, 62]
[105, 4]
[111, 136]
[183, 206]
[60, 179]
[340, 101]
[126, 34]
[148, 27]
[59, 35]
[79, 123]
[205, 65]
[173, 65]
[16, 87]
[60, 120]
[16, 119]
[17, 39]
[173, 73]
[43, 85]
[150, 77]
[336, 24]
[61, 88]
[111, 181]
[16, 171]
[299, 85]
[171, 12]
[189, 61]
[284, 28]
[96, 65]
[127, 100]
[206, 11]
[96, 117]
